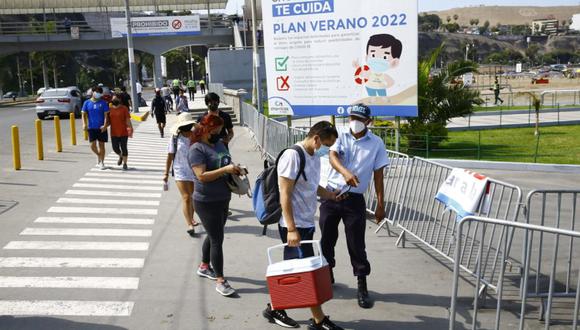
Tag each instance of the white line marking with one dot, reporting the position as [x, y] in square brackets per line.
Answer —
[86, 232]
[131, 172]
[117, 186]
[115, 221]
[140, 159]
[107, 180]
[101, 210]
[108, 201]
[137, 167]
[112, 194]
[74, 245]
[66, 308]
[125, 176]
[70, 282]
[37, 262]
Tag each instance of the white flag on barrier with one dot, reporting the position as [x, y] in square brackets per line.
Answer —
[463, 191]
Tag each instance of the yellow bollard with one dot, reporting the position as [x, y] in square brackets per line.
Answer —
[15, 148]
[39, 145]
[57, 134]
[73, 130]
[85, 132]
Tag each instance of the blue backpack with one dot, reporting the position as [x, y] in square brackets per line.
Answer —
[266, 196]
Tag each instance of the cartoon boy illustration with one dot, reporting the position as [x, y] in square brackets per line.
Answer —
[383, 53]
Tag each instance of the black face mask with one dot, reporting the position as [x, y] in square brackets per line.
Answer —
[214, 138]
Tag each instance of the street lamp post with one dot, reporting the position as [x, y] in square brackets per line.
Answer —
[132, 65]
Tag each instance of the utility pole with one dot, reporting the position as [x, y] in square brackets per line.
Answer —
[132, 65]
[256, 97]
[19, 75]
[191, 64]
[31, 75]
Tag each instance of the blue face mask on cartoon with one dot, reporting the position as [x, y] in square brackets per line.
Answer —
[322, 151]
[378, 65]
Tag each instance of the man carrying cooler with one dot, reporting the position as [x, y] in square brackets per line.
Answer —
[356, 156]
[298, 196]
[98, 116]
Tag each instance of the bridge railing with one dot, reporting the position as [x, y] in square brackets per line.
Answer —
[56, 27]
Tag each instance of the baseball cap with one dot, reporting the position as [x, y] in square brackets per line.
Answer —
[361, 111]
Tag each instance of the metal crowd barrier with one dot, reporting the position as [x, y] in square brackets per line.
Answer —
[395, 176]
[504, 302]
[557, 209]
[427, 220]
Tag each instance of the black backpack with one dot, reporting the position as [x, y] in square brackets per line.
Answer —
[266, 196]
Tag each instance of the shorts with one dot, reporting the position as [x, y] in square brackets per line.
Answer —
[160, 117]
[96, 134]
[376, 92]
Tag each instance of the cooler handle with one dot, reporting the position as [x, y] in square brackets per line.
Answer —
[315, 243]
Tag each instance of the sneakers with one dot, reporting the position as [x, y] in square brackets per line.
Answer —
[103, 167]
[279, 317]
[225, 289]
[125, 167]
[326, 324]
[207, 273]
[120, 161]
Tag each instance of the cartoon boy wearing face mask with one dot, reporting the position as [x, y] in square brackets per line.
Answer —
[383, 53]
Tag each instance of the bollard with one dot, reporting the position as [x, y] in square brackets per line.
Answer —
[15, 148]
[39, 145]
[85, 132]
[57, 134]
[73, 130]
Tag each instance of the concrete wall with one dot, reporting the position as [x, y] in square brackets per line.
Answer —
[233, 68]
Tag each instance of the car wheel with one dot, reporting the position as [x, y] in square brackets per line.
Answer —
[41, 116]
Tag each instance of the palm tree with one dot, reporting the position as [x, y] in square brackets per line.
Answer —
[537, 103]
[441, 97]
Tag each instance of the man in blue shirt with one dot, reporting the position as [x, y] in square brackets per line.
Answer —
[98, 120]
[357, 157]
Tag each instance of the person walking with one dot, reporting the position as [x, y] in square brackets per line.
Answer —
[211, 163]
[139, 90]
[298, 198]
[356, 156]
[212, 101]
[202, 86]
[120, 126]
[125, 98]
[175, 86]
[166, 94]
[182, 105]
[497, 91]
[191, 89]
[178, 162]
[98, 120]
[158, 110]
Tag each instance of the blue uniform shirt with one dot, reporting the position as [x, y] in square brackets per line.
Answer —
[96, 112]
[361, 157]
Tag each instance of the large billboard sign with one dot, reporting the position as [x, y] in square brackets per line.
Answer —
[322, 56]
[156, 26]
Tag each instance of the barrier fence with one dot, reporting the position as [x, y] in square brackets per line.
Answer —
[479, 245]
[503, 301]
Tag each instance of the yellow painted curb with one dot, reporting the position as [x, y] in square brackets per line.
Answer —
[141, 116]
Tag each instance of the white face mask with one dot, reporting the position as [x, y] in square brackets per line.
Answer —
[357, 126]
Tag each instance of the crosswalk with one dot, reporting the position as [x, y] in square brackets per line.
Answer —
[104, 222]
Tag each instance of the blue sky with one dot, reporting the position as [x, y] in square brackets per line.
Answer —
[427, 5]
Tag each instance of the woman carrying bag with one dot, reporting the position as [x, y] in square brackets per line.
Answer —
[211, 163]
[177, 156]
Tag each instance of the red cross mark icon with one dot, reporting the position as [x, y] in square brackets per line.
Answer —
[282, 83]
[176, 24]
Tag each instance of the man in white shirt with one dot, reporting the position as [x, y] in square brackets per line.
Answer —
[357, 157]
[298, 199]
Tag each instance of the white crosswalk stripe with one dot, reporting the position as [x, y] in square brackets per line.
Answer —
[103, 222]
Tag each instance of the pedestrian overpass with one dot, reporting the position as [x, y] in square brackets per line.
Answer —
[94, 31]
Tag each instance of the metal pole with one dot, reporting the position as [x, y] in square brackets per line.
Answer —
[19, 75]
[132, 65]
[397, 133]
[31, 75]
[256, 99]
[191, 63]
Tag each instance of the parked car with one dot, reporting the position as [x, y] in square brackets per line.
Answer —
[59, 102]
[10, 95]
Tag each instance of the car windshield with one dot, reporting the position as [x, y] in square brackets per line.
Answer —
[55, 92]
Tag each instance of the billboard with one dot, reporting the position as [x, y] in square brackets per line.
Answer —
[156, 26]
[322, 56]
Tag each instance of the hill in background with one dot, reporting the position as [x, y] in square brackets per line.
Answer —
[507, 15]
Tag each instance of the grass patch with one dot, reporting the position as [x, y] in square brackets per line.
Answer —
[513, 108]
[557, 145]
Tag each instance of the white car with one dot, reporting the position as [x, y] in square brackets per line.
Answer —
[58, 102]
[41, 90]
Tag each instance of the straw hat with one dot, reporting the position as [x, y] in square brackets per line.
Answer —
[184, 119]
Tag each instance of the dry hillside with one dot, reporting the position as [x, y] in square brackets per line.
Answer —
[508, 15]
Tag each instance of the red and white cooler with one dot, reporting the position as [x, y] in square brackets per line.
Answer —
[298, 283]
